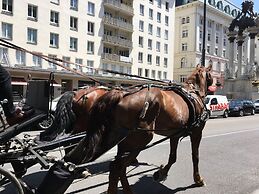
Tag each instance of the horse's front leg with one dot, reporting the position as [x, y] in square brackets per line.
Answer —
[162, 173]
[195, 142]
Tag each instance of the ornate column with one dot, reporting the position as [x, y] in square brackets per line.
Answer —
[231, 38]
[240, 41]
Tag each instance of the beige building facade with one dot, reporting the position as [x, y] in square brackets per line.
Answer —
[189, 37]
[89, 36]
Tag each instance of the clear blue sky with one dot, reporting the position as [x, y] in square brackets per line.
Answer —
[256, 4]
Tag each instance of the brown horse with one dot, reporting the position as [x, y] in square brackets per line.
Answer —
[169, 111]
[72, 111]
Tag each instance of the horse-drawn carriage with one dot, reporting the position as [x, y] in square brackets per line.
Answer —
[18, 148]
[100, 118]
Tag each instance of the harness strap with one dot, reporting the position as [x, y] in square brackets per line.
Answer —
[146, 103]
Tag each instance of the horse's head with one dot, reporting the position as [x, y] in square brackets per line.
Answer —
[201, 79]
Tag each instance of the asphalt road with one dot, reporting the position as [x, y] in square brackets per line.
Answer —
[229, 163]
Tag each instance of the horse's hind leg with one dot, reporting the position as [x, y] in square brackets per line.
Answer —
[195, 141]
[161, 174]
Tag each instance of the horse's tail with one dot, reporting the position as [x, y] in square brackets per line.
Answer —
[64, 118]
[100, 135]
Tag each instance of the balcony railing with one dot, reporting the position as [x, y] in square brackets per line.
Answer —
[115, 57]
[118, 23]
[119, 5]
[115, 40]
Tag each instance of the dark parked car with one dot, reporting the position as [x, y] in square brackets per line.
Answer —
[241, 107]
[256, 103]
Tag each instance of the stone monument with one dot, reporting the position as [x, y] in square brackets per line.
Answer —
[242, 79]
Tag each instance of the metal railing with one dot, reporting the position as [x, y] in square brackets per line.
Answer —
[120, 5]
[115, 57]
[116, 40]
[116, 22]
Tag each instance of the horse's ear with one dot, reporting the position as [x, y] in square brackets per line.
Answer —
[209, 68]
[198, 66]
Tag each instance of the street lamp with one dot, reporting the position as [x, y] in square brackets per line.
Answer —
[204, 34]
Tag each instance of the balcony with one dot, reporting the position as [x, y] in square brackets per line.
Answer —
[118, 23]
[117, 41]
[118, 5]
[117, 58]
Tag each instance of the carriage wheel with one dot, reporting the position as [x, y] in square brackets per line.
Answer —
[7, 178]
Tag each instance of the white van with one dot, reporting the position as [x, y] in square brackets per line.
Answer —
[218, 105]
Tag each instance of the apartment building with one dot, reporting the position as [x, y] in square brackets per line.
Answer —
[153, 38]
[189, 36]
[102, 34]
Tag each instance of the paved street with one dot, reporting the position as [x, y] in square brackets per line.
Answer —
[228, 163]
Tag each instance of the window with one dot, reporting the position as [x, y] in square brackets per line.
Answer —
[146, 72]
[37, 61]
[3, 54]
[208, 49]
[140, 57]
[150, 29]
[216, 51]
[90, 47]
[149, 44]
[140, 41]
[167, 6]
[159, 3]
[158, 46]
[32, 35]
[107, 50]
[166, 48]
[73, 44]
[157, 60]
[184, 33]
[159, 75]
[209, 23]
[183, 62]
[90, 28]
[201, 34]
[52, 61]
[165, 62]
[149, 59]
[105, 67]
[166, 34]
[217, 27]
[209, 37]
[121, 69]
[54, 40]
[158, 32]
[158, 17]
[166, 20]
[153, 74]
[73, 23]
[184, 46]
[224, 42]
[66, 61]
[20, 57]
[91, 8]
[183, 20]
[90, 65]
[7, 31]
[7, 6]
[79, 63]
[224, 53]
[201, 20]
[188, 19]
[217, 39]
[200, 48]
[165, 75]
[139, 71]
[150, 14]
[218, 67]
[32, 12]
[183, 78]
[141, 26]
[74, 4]
[141, 9]
[54, 18]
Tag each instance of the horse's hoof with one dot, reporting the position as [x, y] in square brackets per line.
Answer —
[158, 176]
[200, 183]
